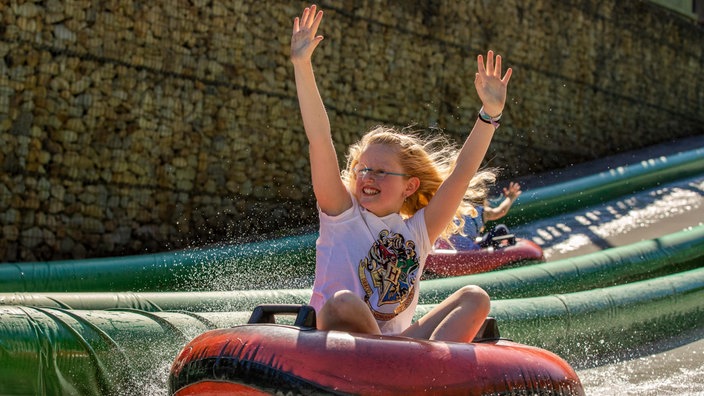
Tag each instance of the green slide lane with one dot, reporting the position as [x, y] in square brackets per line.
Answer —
[565, 197]
[250, 265]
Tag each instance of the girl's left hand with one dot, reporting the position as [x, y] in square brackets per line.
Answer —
[491, 87]
[305, 38]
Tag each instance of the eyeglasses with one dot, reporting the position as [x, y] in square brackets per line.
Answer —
[362, 170]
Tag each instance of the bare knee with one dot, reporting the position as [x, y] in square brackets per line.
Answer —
[343, 304]
[475, 297]
[458, 318]
[345, 311]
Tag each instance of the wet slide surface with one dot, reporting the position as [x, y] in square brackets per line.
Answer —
[675, 366]
[670, 368]
[649, 214]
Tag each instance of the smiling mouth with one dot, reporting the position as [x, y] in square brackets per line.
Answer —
[370, 191]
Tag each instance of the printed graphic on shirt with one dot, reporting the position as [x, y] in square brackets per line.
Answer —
[388, 275]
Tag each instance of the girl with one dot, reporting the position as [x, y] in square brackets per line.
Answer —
[379, 219]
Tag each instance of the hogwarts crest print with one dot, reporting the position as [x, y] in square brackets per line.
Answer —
[389, 274]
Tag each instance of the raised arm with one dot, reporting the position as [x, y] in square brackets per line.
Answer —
[491, 88]
[329, 189]
[511, 194]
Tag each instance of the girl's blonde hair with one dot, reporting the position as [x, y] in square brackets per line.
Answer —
[430, 159]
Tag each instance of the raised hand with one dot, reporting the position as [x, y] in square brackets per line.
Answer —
[304, 39]
[513, 190]
[491, 87]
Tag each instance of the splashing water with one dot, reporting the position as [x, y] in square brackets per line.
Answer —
[674, 371]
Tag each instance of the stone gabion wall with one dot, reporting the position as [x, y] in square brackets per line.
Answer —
[132, 126]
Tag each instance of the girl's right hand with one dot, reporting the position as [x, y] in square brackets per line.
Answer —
[304, 39]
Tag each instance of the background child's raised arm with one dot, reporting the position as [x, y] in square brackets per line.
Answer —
[328, 187]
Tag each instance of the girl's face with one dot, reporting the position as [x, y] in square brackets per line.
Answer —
[381, 184]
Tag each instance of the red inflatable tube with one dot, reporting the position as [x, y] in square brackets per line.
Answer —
[273, 358]
[445, 263]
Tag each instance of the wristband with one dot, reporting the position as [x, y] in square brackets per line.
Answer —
[484, 117]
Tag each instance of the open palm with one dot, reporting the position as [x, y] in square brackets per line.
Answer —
[491, 87]
[304, 39]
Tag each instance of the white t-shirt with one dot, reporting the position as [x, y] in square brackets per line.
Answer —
[379, 259]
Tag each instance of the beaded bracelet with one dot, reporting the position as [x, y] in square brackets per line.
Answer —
[484, 117]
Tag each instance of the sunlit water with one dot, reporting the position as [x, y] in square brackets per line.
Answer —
[652, 213]
[673, 370]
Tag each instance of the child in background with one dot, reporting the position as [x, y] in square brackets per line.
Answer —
[380, 217]
[473, 236]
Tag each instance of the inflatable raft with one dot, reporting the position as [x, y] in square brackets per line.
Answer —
[449, 262]
[265, 358]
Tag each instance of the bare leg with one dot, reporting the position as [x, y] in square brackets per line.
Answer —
[345, 311]
[457, 318]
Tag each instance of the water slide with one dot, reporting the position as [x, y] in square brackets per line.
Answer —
[113, 326]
